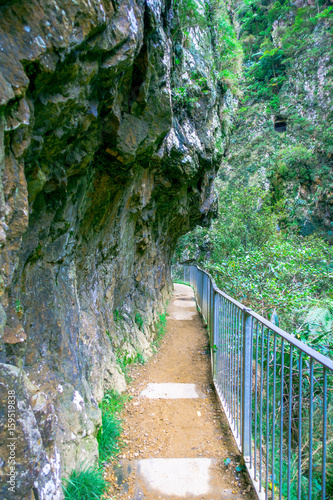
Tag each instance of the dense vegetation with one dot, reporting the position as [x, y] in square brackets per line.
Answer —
[266, 247]
[282, 275]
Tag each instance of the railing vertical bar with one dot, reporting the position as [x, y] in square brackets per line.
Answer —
[310, 430]
[300, 385]
[219, 338]
[261, 405]
[247, 383]
[238, 371]
[212, 303]
[224, 347]
[228, 356]
[256, 403]
[233, 365]
[273, 417]
[202, 292]
[241, 372]
[281, 419]
[203, 295]
[323, 490]
[229, 360]
[250, 387]
[267, 413]
[219, 345]
[226, 351]
[289, 418]
[207, 298]
[215, 329]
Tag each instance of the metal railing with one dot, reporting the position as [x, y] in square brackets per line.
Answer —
[276, 393]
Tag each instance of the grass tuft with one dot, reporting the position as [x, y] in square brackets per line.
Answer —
[160, 328]
[85, 484]
[108, 437]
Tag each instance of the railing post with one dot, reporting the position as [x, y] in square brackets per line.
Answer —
[247, 385]
[215, 332]
[184, 274]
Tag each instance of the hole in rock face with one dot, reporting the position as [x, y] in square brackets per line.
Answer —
[32, 71]
[280, 124]
[140, 66]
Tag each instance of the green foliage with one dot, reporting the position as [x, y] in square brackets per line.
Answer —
[213, 19]
[245, 221]
[125, 359]
[139, 320]
[117, 316]
[113, 402]
[228, 50]
[160, 329]
[317, 326]
[288, 275]
[325, 13]
[109, 435]
[85, 484]
[108, 438]
[191, 13]
[267, 62]
[18, 307]
[270, 271]
[294, 162]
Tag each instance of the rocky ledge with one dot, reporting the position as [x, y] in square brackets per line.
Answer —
[102, 169]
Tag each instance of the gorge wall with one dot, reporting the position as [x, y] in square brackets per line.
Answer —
[283, 136]
[101, 171]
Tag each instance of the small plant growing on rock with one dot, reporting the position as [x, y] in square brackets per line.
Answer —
[139, 320]
[109, 435]
[85, 484]
[160, 328]
[18, 308]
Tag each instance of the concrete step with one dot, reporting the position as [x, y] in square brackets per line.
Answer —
[171, 391]
[176, 476]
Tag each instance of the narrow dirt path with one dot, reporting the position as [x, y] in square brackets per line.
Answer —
[184, 428]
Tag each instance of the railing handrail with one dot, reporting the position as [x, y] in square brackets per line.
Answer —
[270, 385]
[317, 356]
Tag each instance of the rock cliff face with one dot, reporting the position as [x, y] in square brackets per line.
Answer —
[284, 136]
[101, 172]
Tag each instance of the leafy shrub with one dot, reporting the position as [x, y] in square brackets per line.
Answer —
[245, 221]
[288, 275]
[295, 162]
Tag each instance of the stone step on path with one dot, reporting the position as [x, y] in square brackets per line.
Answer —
[177, 477]
[177, 442]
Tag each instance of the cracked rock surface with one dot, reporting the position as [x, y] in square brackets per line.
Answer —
[101, 172]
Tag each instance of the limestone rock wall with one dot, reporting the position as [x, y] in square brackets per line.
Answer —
[295, 161]
[101, 171]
